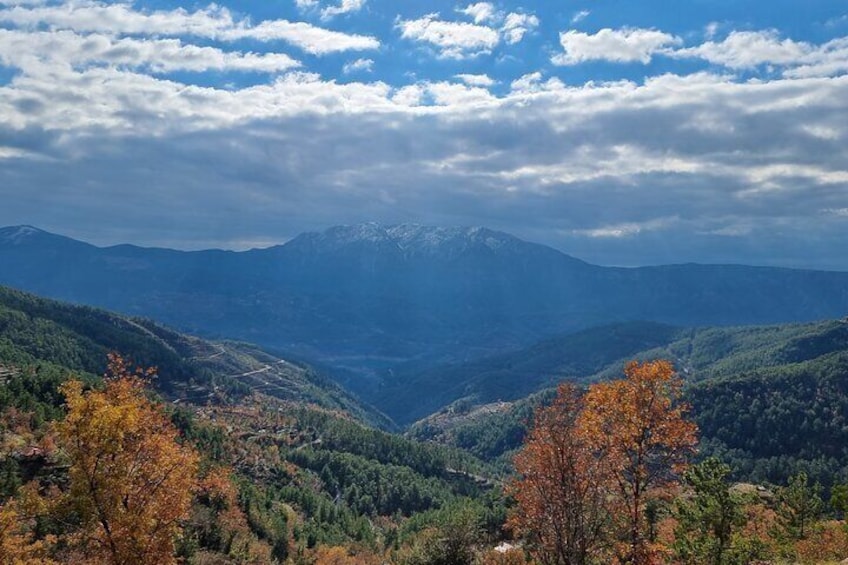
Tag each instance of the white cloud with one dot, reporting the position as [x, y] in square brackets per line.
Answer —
[830, 59]
[481, 12]
[344, 7]
[627, 45]
[463, 40]
[212, 22]
[452, 95]
[827, 68]
[156, 55]
[628, 229]
[532, 83]
[516, 25]
[312, 39]
[328, 12]
[839, 212]
[121, 18]
[739, 50]
[476, 80]
[597, 165]
[527, 83]
[358, 66]
[748, 49]
[455, 40]
[711, 29]
[580, 16]
[409, 96]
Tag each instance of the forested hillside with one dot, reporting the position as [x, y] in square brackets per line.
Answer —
[308, 474]
[40, 336]
[262, 480]
[414, 393]
[278, 465]
[277, 481]
[771, 400]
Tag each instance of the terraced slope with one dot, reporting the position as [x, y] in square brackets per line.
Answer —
[36, 332]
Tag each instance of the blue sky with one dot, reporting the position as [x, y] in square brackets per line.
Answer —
[621, 132]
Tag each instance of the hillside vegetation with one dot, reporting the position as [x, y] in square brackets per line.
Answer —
[771, 400]
[41, 337]
[308, 473]
[413, 394]
[271, 481]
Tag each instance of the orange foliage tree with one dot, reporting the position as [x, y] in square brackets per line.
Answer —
[591, 465]
[131, 481]
[560, 492]
[17, 546]
[637, 426]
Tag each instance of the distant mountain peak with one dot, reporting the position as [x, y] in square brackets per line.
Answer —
[24, 238]
[418, 237]
[18, 234]
[412, 239]
[370, 231]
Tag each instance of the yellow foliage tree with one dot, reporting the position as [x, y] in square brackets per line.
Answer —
[17, 546]
[131, 481]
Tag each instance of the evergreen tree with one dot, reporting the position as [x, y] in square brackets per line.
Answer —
[799, 505]
[708, 520]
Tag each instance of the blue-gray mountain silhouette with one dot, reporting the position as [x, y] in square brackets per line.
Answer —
[369, 297]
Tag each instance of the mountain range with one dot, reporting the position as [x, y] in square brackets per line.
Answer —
[370, 301]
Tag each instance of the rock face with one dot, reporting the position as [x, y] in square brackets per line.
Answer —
[367, 297]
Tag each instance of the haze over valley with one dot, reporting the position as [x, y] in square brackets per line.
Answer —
[369, 301]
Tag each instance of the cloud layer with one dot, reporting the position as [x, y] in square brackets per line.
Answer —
[213, 22]
[121, 123]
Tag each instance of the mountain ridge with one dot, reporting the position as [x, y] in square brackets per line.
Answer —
[365, 299]
[403, 234]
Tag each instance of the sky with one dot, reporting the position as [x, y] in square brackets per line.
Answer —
[620, 132]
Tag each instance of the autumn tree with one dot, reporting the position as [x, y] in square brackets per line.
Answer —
[18, 545]
[131, 481]
[560, 491]
[637, 427]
